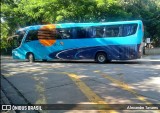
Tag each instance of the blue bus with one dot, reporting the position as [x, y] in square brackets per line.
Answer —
[102, 42]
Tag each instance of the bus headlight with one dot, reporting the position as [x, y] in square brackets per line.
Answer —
[15, 54]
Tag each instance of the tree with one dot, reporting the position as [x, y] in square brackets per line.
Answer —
[21, 13]
[149, 12]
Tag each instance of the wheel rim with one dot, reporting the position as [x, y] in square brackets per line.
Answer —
[101, 58]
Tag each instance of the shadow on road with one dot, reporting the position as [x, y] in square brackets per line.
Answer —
[43, 82]
[136, 61]
[93, 62]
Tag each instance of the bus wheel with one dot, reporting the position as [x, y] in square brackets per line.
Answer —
[31, 58]
[44, 60]
[108, 61]
[101, 57]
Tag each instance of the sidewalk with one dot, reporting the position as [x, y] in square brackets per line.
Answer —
[151, 57]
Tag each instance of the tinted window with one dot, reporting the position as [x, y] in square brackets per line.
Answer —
[65, 33]
[91, 32]
[81, 32]
[84, 32]
[49, 34]
[100, 31]
[20, 34]
[113, 31]
[120, 30]
[129, 29]
[32, 35]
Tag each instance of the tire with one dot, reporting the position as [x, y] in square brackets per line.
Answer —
[101, 58]
[44, 60]
[31, 58]
[109, 61]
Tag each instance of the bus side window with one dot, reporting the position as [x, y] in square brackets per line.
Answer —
[100, 31]
[113, 31]
[57, 34]
[32, 35]
[120, 34]
[65, 33]
[91, 32]
[81, 32]
[85, 32]
[129, 29]
[49, 34]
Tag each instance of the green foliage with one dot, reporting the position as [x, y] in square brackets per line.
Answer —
[4, 34]
[21, 13]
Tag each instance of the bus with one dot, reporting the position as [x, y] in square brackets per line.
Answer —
[103, 42]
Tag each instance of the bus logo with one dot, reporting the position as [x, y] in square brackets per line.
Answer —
[46, 35]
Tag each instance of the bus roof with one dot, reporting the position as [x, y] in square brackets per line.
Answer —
[68, 25]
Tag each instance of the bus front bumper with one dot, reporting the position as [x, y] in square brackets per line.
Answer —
[17, 55]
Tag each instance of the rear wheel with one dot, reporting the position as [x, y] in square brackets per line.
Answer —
[31, 57]
[101, 57]
[108, 61]
[44, 60]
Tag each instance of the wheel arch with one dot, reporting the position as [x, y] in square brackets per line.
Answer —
[27, 54]
[100, 52]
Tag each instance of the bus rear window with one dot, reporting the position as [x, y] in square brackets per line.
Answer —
[129, 29]
[120, 30]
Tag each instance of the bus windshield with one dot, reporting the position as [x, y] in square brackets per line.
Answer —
[18, 38]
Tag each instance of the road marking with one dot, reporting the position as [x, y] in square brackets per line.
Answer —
[86, 91]
[41, 91]
[96, 71]
[89, 93]
[126, 87]
[117, 69]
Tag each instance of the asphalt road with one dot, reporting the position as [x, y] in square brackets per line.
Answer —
[82, 83]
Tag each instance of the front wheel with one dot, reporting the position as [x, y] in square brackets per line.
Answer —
[101, 58]
[31, 58]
